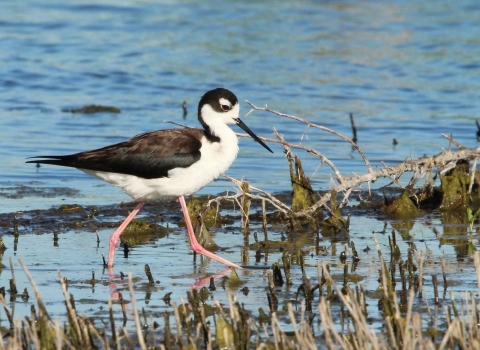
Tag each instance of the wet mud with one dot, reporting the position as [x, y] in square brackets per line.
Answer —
[281, 261]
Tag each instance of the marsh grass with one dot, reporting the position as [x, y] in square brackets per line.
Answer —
[197, 325]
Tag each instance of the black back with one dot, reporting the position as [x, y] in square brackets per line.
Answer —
[150, 155]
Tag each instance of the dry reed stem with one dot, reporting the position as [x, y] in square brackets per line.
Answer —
[420, 275]
[329, 327]
[2, 347]
[407, 339]
[178, 324]
[71, 312]
[133, 301]
[292, 318]
[11, 269]
[276, 336]
[58, 335]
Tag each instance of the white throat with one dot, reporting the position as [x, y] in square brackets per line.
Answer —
[217, 121]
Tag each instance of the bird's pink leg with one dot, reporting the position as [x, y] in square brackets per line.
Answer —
[116, 235]
[197, 247]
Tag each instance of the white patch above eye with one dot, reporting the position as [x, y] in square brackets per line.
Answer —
[225, 102]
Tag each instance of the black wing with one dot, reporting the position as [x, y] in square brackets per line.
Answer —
[150, 155]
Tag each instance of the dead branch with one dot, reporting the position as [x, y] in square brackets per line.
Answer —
[282, 142]
[423, 167]
[420, 167]
[266, 196]
[310, 124]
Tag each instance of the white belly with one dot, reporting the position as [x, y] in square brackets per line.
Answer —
[215, 159]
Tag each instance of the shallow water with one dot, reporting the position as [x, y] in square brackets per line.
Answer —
[78, 256]
[406, 70]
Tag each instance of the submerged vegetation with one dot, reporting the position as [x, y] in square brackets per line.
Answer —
[333, 309]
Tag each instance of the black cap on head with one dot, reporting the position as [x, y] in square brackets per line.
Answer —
[213, 97]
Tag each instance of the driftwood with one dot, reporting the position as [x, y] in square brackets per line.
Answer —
[422, 167]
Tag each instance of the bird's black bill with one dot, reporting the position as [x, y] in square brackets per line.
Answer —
[250, 132]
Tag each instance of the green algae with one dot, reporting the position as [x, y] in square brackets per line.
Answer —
[234, 281]
[402, 207]
[139, 231]
[210, 216]
[303, 195]
[404, 226]
[206, 240]
[246, 202]
[70, 208]
[335, 224]
[224, 333]
[454, 187]
[455, 223]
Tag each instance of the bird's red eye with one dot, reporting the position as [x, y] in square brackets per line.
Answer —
[225, 107]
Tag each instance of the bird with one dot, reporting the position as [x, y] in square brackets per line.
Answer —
[167, 163]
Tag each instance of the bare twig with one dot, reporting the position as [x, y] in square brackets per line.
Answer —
[472, 176]
[310, 124]
[451, 139]
[324, 159]
[422, 167]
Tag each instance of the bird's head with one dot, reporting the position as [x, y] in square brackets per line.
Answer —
[220, 107]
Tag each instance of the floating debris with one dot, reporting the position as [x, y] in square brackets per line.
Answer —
[90, 109]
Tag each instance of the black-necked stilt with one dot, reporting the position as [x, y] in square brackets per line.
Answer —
[168, 163]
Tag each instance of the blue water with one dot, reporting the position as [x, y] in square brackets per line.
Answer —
[407, 70]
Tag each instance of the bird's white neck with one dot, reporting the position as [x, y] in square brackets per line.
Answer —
[215, 123]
